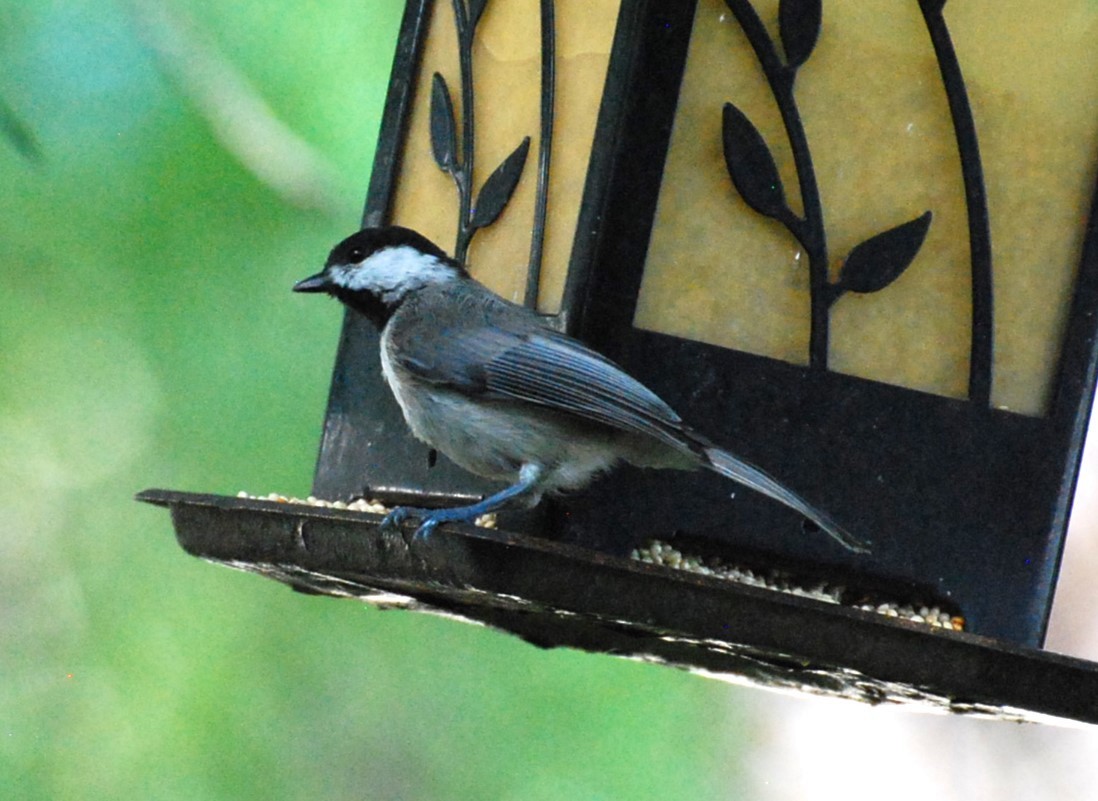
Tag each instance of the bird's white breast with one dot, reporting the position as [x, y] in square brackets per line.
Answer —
[400, 391]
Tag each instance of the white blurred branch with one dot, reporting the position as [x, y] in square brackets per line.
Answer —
[240, 119]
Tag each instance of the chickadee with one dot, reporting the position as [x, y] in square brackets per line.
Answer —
[487, 383]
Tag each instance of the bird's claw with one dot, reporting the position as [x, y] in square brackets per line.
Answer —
[428, 521]
[426, 527]
[395, 518]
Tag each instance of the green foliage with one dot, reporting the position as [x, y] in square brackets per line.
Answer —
[148, 337]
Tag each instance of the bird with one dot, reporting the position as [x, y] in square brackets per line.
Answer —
[488, 383]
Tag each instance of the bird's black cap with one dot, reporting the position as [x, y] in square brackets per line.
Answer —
[368, 241]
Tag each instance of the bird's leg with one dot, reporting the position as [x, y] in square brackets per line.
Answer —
[529, 476]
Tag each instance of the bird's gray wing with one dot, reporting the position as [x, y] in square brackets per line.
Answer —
[539, 366]
[542, 367]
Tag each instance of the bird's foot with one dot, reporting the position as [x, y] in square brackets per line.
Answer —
[396, 518]
[429, 519]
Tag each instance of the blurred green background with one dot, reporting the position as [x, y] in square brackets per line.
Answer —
[193, 160]
[168, 170]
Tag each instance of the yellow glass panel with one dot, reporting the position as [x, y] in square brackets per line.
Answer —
[884, 151]
[507, 98]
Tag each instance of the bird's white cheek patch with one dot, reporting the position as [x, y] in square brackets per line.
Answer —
[394, 272]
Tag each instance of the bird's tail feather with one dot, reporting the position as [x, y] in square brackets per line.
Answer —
[752, 477]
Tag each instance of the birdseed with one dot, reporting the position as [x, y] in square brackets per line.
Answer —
[657, 552]
[358, 505]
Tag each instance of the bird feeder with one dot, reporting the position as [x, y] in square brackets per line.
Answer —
[854, 243]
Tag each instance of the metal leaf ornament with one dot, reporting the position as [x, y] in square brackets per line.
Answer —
[799, 25]
[499, 187]
[880, 260]
[750, 165]
[443, 133]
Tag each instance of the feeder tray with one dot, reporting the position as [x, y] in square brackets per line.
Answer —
[556, 595]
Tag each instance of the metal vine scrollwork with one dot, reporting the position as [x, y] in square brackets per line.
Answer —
[548, 90]
[881, 259]
[979, 226]
[498, 188]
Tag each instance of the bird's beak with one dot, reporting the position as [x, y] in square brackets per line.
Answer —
[314, 283]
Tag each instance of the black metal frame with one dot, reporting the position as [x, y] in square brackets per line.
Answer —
[990, 540]
[992, 536]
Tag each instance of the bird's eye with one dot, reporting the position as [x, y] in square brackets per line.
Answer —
[356, 255]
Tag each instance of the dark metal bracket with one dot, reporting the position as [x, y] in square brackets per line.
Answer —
[555, 595]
